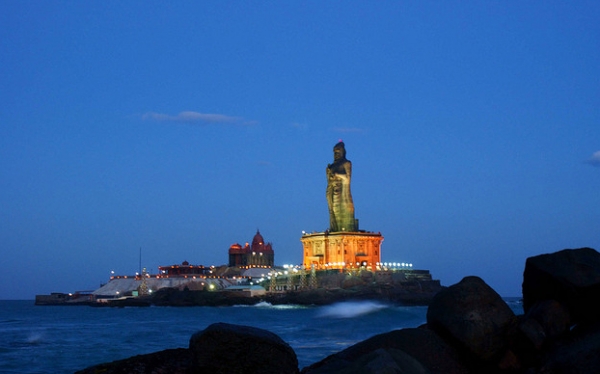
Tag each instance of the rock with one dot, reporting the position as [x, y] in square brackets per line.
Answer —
[474, 315]
[414, 350]
[534, 332]
[352, 281]
[227, 348]
[570, 276]
[172, 361]
[552, 316]
[579, 354]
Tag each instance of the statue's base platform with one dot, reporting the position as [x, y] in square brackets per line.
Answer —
[341, 249]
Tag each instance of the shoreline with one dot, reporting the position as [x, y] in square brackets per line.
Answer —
[402, 294]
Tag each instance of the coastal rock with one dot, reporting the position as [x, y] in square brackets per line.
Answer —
[534, 333]
[552, 316]
[570, 276]
[227, 348]
[413, 350]
[474, 315]
[172, 361]
[579, 353]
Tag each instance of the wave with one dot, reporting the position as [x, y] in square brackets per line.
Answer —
[35, 338]
[351, 309]
[267, 305]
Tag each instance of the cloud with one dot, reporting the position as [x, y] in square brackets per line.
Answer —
[299, 125]
[595, 159]
[196, 117]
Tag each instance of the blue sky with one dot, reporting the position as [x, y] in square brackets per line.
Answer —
[182, 128]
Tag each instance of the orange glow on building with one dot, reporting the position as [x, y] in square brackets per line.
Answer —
[337, 250]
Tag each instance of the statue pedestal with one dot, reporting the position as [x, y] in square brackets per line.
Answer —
[341, 249]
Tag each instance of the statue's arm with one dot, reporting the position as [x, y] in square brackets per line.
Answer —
[348, 167]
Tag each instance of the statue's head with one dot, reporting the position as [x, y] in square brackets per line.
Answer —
[339, 151]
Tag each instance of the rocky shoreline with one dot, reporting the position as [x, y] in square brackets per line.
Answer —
[469, 329]
[407, 293]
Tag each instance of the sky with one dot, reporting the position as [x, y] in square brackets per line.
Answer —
[175, 130]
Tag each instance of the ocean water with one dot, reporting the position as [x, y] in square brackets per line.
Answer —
[64, 339]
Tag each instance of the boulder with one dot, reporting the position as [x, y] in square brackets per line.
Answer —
[552, 316]
[474, 316]
[227, 348]
[579, 353]
[172, 361]
[412, 350]
[570, 276]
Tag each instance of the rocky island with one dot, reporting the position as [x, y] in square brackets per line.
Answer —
[469, 329]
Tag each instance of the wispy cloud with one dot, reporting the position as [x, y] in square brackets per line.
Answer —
[299, 125]
[265, 163]
[196, 117]
[595, 159]
[347, 129]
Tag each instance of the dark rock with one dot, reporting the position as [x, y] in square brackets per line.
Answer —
[534, 332]
[552, 316]
[474, 315]
[172, 361]
[226, 348]
[579, 354]
[186, 297]
[416, 350]
[570, 276]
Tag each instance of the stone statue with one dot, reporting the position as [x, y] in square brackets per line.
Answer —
[339, 197]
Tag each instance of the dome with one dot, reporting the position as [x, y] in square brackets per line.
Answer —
[258, 239]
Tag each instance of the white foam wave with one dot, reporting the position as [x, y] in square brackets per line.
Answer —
[267, 305]
[34, 338]
[351, 309]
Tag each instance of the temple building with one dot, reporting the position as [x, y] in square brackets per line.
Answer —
[183, 270]
[336, 250]
[258, 254]
[343, 245]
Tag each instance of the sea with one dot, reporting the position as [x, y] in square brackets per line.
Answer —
[64, 339]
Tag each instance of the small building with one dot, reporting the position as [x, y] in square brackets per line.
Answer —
[184, 270]
[258, 254]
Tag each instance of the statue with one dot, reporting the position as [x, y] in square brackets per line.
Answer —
[339, 197]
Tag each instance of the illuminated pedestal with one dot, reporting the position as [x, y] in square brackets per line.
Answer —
[336, 250]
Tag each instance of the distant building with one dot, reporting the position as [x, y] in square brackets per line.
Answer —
[259, 254]
[184, 270]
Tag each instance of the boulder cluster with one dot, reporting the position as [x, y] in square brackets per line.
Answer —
[469, 329]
